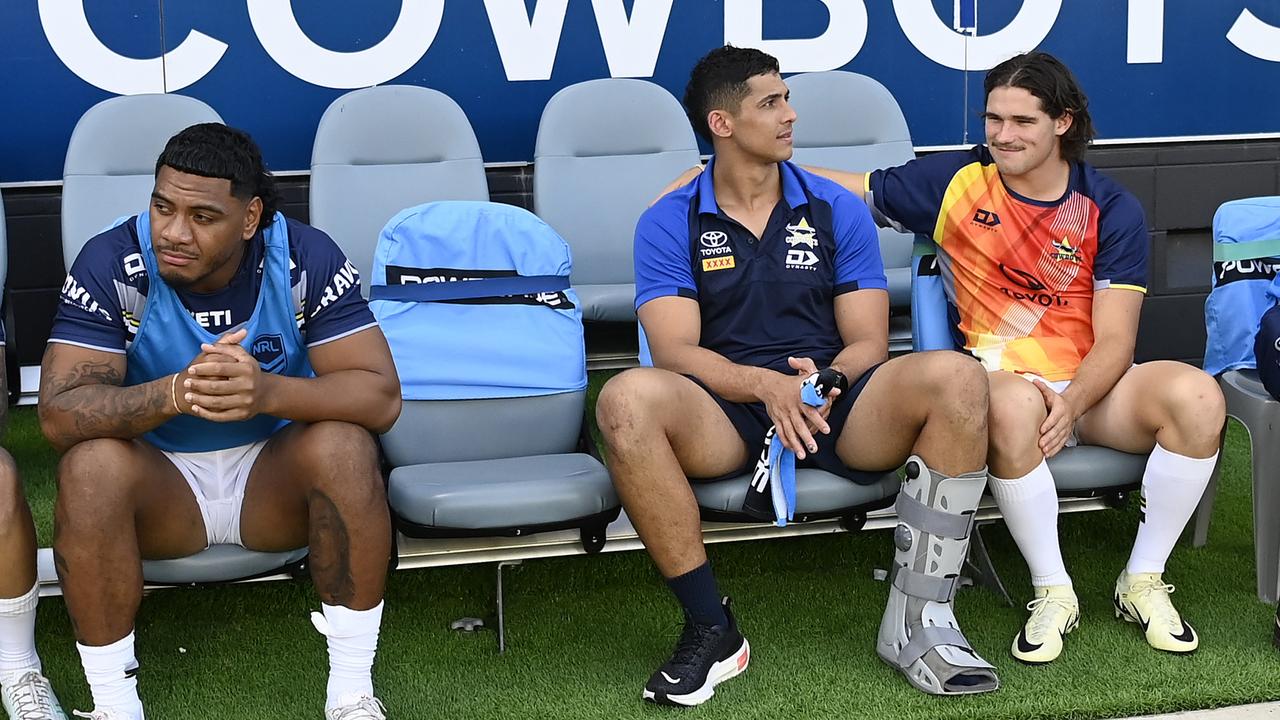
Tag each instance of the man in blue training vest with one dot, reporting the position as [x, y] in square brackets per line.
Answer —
[213, 377]
[25, 692]
[749, 280]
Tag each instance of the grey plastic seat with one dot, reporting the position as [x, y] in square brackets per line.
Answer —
[1250, 403]
[109, 173]
[819, 495]
[1244, 232]
[382, 149]
[497, 467]
[111, 160]
[850, 122]
[605, 149]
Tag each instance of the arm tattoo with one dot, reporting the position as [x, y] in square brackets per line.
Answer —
[86, 402]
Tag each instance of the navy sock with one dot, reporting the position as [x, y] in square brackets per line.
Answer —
[697, 592]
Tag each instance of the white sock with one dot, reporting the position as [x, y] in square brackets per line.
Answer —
[1029, 505]
[353, 641]
[1171, 489]
[112, 674]
[18, 636]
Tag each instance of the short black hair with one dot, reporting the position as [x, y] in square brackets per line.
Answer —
[719, 82]
[1045, 77]
[214, 150]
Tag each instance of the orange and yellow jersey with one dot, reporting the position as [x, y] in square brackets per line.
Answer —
[1020, 274]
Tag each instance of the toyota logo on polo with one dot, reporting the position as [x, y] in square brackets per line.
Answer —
[714, 239]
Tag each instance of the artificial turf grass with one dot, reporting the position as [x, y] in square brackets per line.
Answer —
[585, 632]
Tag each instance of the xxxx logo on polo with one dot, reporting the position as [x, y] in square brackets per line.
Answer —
[724, 262]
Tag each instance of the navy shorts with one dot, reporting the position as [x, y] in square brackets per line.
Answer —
[752, 421]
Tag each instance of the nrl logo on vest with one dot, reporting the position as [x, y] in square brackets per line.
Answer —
[268, 350]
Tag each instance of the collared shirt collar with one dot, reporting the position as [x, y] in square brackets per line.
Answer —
[792, 190]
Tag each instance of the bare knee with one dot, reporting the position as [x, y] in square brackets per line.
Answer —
[1194, 406]
[340, 457]
[1016, 413]
[954, 386]
[629, 403]
[95, 477]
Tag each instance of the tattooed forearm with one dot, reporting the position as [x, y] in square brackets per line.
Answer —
[83, 400]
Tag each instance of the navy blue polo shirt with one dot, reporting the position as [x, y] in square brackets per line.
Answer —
[765, 300]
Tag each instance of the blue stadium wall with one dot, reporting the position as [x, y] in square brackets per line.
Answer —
[1182, 91]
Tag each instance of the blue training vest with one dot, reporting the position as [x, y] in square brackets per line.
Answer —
[169, 339]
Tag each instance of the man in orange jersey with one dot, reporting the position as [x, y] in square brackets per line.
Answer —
[1044, 262]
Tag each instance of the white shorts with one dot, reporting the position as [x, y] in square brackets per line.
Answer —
[218, 479]
[1057, 387]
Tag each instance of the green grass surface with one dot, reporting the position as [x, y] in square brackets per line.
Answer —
[585, 632]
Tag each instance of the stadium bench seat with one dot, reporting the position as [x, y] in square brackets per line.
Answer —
[605, 149]
[382, 149]
[1247, 232]
[850, 122]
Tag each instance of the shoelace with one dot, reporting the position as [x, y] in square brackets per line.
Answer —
[1042, 617]
[1158, 593]
[368, 708]
[31, 695]
[693, 645]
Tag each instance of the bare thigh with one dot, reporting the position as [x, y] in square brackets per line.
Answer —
[648, 400]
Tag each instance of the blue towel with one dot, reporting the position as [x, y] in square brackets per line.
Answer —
[775, 474]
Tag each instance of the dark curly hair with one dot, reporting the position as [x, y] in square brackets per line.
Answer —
[1045, 77]
[719, 82]
[214, 150]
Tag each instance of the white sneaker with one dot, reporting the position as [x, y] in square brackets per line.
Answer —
[1054, 613]
[31, 698]
[361, 707]
[104, 715]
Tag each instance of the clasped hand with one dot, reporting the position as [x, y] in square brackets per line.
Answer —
[794, 421]
[224, 382]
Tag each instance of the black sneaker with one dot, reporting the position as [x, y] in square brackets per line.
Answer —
[706, 656]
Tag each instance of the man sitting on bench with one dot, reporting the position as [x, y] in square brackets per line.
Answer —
[751, 281]
[1045, 261]
[212, 377]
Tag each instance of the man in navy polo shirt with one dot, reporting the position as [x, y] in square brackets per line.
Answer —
[749, 280]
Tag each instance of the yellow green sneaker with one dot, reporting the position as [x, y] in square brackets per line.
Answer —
[1054, 612]
[1143, 598]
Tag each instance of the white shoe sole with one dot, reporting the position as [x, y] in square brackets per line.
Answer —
[726, 669]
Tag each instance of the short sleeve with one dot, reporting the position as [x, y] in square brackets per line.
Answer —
[89, 309]
[1123, 248]
[858, 262]
[662, 262]
[334, 307]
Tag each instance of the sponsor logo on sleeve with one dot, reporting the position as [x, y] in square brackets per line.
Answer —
[343, 281]
[74, 294]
